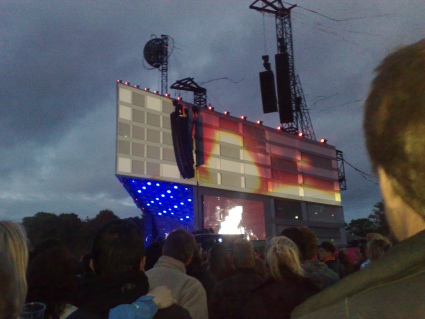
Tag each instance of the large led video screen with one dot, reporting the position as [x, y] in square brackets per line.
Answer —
[231, 216]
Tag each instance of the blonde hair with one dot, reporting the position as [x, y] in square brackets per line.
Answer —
[283, 257]
[377, 248]
[372, 236]
[13, 245]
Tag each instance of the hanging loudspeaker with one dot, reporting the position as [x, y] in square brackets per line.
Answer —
[268, 92]
[283, 79]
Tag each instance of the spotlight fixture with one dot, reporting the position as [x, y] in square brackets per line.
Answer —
[137, 86]
[155, 92]
[119, 81]
[259, 122]
[279, 128]
[146, 89]
[300, 134]
[243, 117]
[127, 83]
[226, 112]
[323, 140]
[167, 94]
[179, 98]
[210, 107]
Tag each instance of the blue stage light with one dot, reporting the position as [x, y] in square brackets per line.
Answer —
[162, 199]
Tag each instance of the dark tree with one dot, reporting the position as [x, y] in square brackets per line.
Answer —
[374, 223]
[379, 220]
[360, 227]
[64, 228]
[71, 226]
[89, 228]
[42, 226]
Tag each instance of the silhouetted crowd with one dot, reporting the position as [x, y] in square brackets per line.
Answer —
[173, 277]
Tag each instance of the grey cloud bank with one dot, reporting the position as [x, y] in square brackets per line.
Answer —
[60, 61]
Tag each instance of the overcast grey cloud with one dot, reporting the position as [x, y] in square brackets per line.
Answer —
[60, 59]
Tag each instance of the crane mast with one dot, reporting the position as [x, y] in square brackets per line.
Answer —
[300, 119]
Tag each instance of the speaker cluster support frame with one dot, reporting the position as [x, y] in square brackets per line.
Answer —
[301, 118]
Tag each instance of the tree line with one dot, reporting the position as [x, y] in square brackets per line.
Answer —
[77, 234]
[374, 223]
[68, 228]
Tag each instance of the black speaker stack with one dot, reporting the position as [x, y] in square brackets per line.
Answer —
[284, 95]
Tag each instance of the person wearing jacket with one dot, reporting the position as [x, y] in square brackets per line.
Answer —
[118, 279]
[315, 270]
[170, 270]
[394, 285]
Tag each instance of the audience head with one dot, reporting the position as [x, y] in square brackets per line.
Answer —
[44, 245]
[180, 245]
[153, 253]
[12, 291]
[196, 262]
[13, 247]
[52, 280]
[344, 259]
[220, 266]
[377, 248]
[305, 239]
[326, 250]
[243, 254]
[394, 131]
[283, 258]
[261, 268]
[118, 247]
[373, 236]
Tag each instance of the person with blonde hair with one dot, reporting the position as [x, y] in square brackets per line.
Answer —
[315, 270]
[377, 248]
[227, 293]
[369, 238]
[287, 286]
[14, 261]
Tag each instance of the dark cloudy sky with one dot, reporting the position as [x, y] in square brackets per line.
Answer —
[60, 60]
